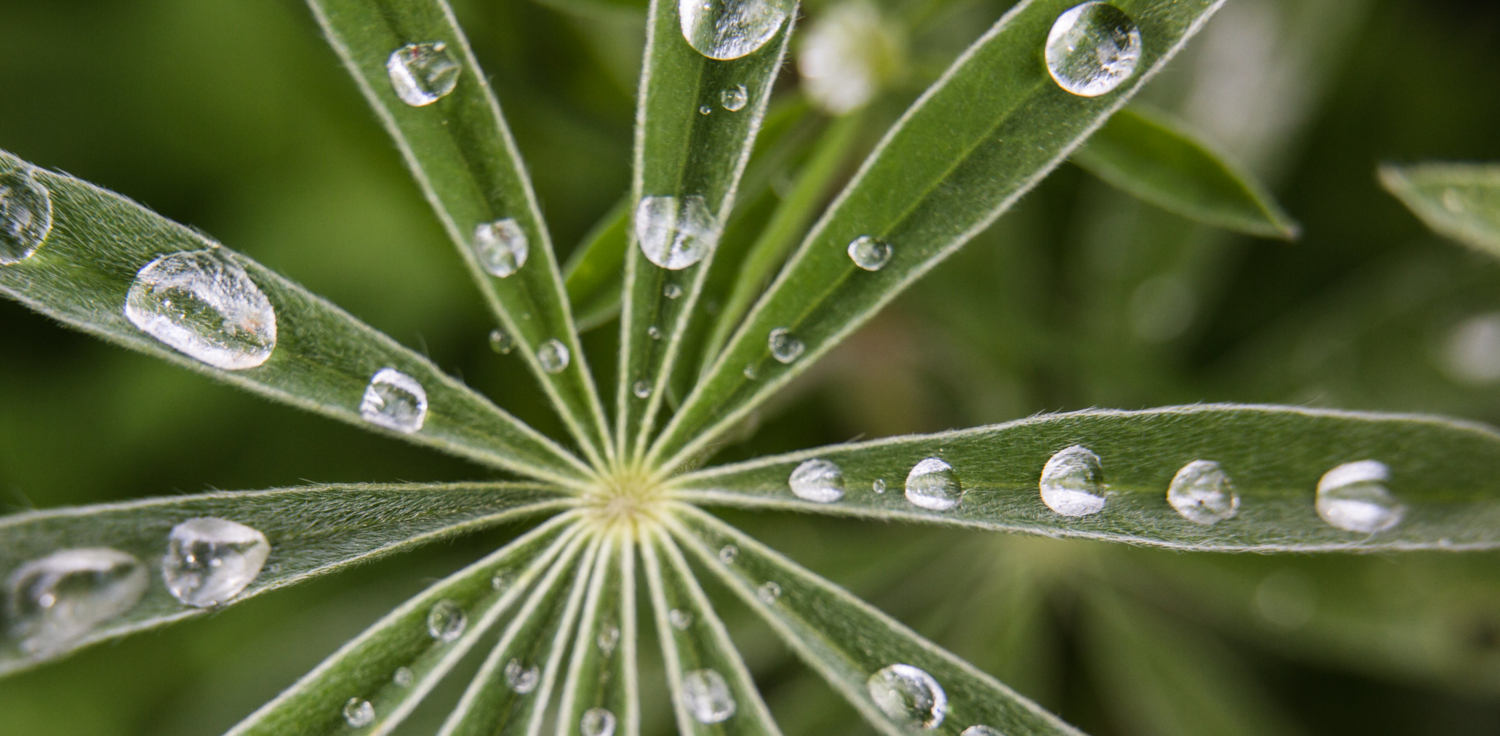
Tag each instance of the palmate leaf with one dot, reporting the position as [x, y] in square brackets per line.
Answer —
[1458, 201]
[1426, 482]
[601, 687]
[311, 531]
[986, 132]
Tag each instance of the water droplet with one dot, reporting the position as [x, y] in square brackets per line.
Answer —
[704, 110]
[422, 73]
[209, 561]
[500, 342]
[749, 373]
[869, 253]
[730, 29]
[358, 712]
[54, 600]
[1072, 482]
[1202, 493]
[768, 592]
[734, 98]
[1353, 497]
[981, 731]
[553, 355]
[653, 332]
[520, 678]
[679, 619]
[671, 291]
[25, 215]
[609, 636]
[707, 696]
[878, 485]
[597, 722]
[933, 485]
[641, 389]
[203, 304]
[909, 696]
[817, 480]
[674, 232]
[728, 553]
[500, 246]
[499, 581]
[1092, 49]
[403, 677]
[784, 347]
[446, 621]
[395, 401]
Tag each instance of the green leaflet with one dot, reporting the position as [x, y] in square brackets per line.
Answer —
[601, 687]
[594, 272]
[1458, 200]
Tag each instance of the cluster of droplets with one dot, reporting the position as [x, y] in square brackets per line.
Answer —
[930, 484]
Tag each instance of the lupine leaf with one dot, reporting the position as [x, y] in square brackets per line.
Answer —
[1459, 201]
[601, 687]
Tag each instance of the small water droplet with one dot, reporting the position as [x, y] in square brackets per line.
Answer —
[358, 712]
[679, 619]
[641, 389]
[403, 677]
[499, 581]
[768, 592]
[54, 600]
[1092, 49]
[209, 560]
[1202, 492]
[520, 678]
[817, 480]
[1353, 497]
[981, 731]
[203, 304]
[395, 401]
[749, 373]
[704, 110]
[675, 232]
[500, 342]
[707, 696]
[653, 332]
[730, 29]
[908, 696]
[671, 291]
[446, 621]
[869, 253]
[608, 638]
[728, 553]
[1072, 482]
[553, 356]
[878, 485]
[933, 485]
[734, 98]
[422, 73]
[25, 215]
[784, 347]
[500, 246]
[597, 722]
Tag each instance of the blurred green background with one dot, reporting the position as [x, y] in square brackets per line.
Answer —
[235, 118]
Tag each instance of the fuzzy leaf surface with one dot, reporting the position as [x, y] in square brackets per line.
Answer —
[602, 681]
[1458, 201]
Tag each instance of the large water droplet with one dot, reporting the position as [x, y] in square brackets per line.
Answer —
[675, 232]
[679, 619]
[707, 696]
[981, 731]
[446, 621]
[597, 722]
[1353, 497]
[358, 712]
[500, 246]
[1092, 49]
[25, 215]
[553, 356]
[395, 401]
[869, 253]
[501, 342]
[729, 29]
[909, 696]
[203, 304]
[933, 485]
[1072, 482]
[1202, 492]
[768, 592]
[520, 678]
[734, 98]
[56, 599]
[422, 73]
[817, 480]
[784, 347]
[209, 561]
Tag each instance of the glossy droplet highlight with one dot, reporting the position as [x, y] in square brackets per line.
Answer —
[784, 347]
[553, 356]
[878, 485]
[203, 304]
[53, 601]
[817, 480]
[705, 110]
[734, 98]
[25, 215]
[908, 696]
[446, 621]
[1353, 497]
[981, 731]
[730, 29]
[728, 553]
[395, 401]
[422, 73]
[1092, 49]
[675, 232]
[597, 722]
[501, 342]
[768, 592]
[707, 696]
[869, 253]
[403, 677]
[520, 678]
[933, 485]
[358, 712]
[500, 247]
[1202, 493]
[1072, 482]
[641, 389]
[209, 561]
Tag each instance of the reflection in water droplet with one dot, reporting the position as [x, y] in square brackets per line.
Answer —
[1202, 492]
[1353, 497]
[817, 480]
[679, 619]
[933, 485]
[707, 696]
[500, 246]
[734, 98]
[422, 73]
[520, 678]
[553, 356]
[1072, 482]
[869, 253]
[358, 712]
[395, 401]
[675, 233]
[641, 389]
[446, 621]
[908, 696]
[768, 592]
[784, 347]
[25, 215]
[597, 722]
[54, 600]
[730, 29]
[403, 677]
[204, 305]
[728, 553]
[209, 560]
[1092, 49]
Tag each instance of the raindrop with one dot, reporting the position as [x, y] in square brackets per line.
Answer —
[25, 215]
[909, 696]
[395, 401]
[501, 342]
[878, 485]
[446, 621]
[1092, 49]
[641, 389]
[1353, 497]
[817, 480]
[784, 347]
[730, 29]
[358, 712]
[768, 592]
[1202, 492]
[679, 619]
[203, 304]
[597, 722]
[673, 232]
[422, 73]
[553, 355]
[500, 246]
[707, 696]
[609, 636]
[980, 731]
[734, 98]
[1072, 482]
[933, 485]
[54, 600]
[209, 561]
[728, 553]
[403, 677]
[520, 678]
[869, 253]
[671, 291]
